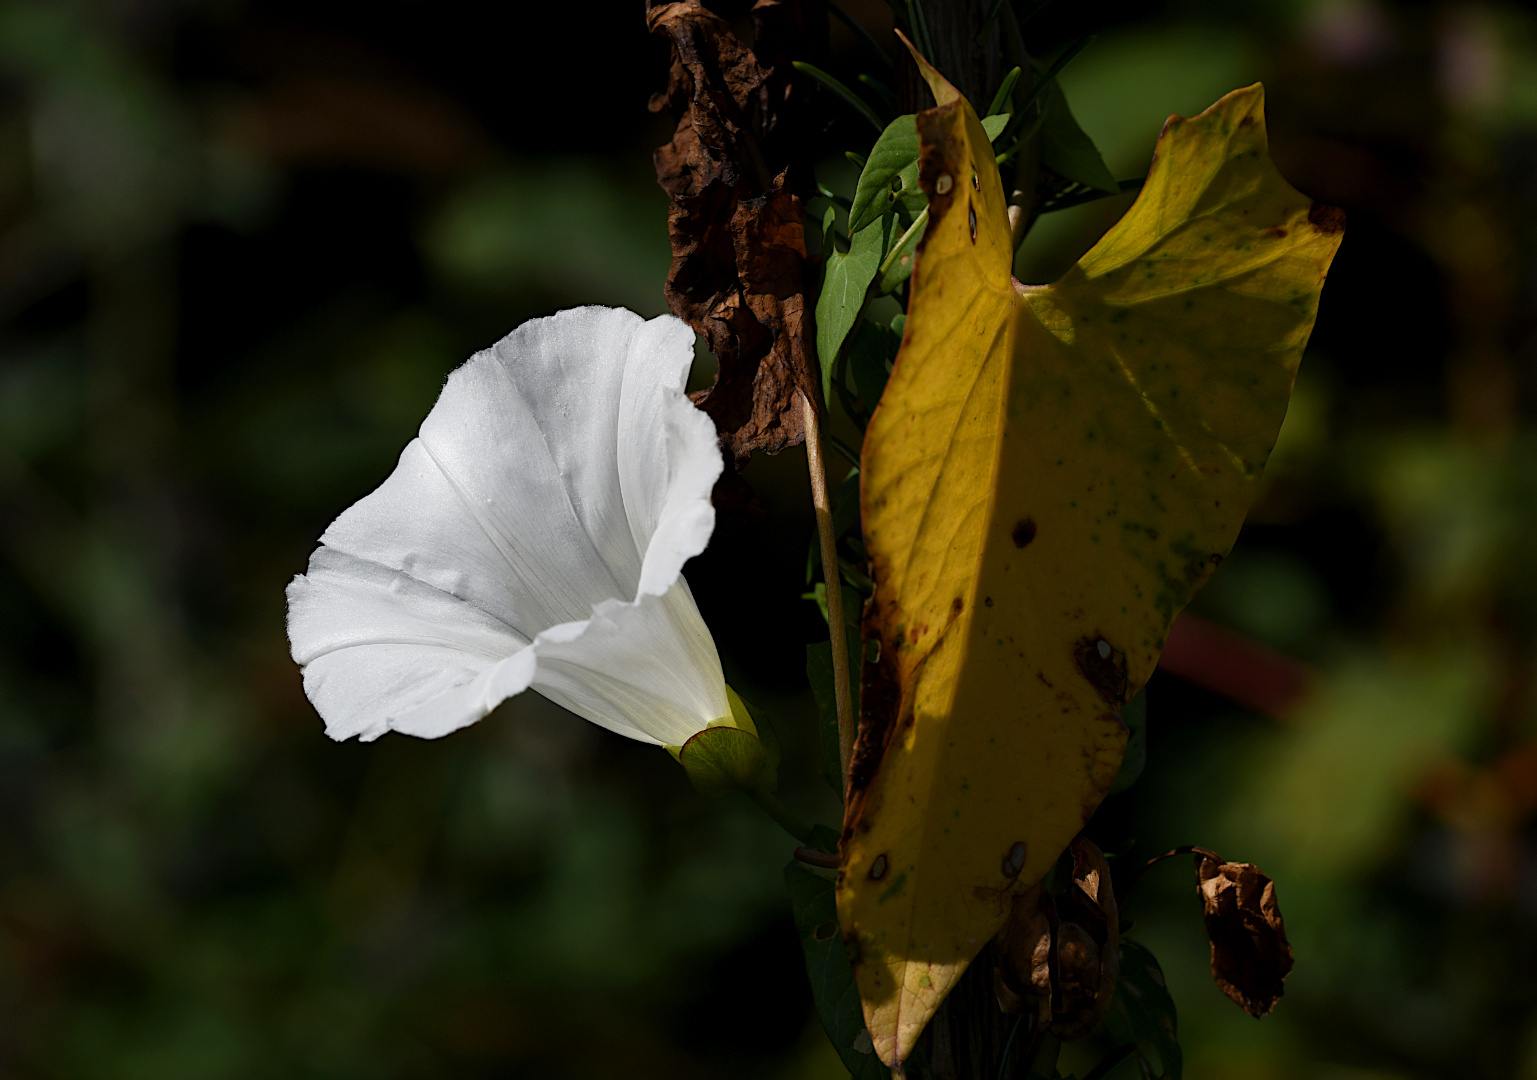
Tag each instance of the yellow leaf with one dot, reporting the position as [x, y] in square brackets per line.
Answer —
[1051, 473]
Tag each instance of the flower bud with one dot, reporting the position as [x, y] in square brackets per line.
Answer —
[731, 754]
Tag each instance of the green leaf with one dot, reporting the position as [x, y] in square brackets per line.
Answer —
[881, 90]
[1041, 85]
[871, 353]
[994, 125]
[818, 596]
[890, 174]
[897, 266]
[844, 285]
[827, 964]
[1134, 716]
[1005, 92]
[846, 504]
[1066, 150]
[819, 672]
[1143, 1012]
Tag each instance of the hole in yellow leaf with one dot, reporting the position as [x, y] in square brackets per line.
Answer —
[1014, 861]
[943, 185]
[1104, 666]
[878, 868]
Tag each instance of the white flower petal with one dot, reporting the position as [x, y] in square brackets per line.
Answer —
[669, 509]
[646, 669]
[379, 646]
[534, 534]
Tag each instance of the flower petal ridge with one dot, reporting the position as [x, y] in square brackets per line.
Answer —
[533, 535]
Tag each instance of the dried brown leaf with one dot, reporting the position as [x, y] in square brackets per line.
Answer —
[1023, 978]
[1058, 956]
[737, 223]
[1250, 956]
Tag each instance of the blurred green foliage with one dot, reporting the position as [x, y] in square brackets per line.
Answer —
[241, 244]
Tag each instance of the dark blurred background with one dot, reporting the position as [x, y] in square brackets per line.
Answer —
[241, 244]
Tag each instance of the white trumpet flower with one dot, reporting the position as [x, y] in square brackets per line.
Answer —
[532, 536]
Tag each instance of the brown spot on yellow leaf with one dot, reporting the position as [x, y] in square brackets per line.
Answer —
[1024, 532]
[1326, 219]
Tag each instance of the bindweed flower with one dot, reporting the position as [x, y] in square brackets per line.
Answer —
[532, 536]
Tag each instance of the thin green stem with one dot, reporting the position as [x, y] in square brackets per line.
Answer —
[920, 26]
[1079, 198]
[1124, 891]
[833, 197]
[917, 226]
[782, 815]
[882, 91]
[853, 100]
[1025, 137]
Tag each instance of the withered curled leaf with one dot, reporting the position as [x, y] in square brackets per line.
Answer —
[1058, 955]
[1250, 956]
[1023, 978]
[736, 222]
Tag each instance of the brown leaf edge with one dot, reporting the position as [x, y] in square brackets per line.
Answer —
[884, 696]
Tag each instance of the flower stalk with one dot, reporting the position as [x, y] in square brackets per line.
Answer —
[782, 814]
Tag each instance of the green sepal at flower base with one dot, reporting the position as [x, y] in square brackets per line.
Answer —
[736, 753]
